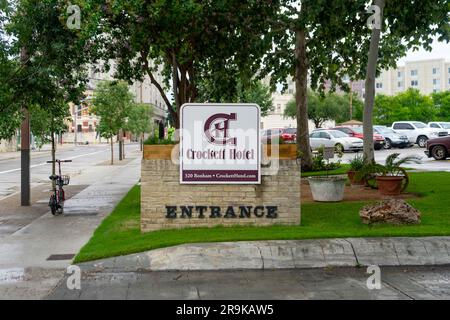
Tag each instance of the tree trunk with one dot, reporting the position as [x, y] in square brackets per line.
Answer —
[301, 87]
[142, 142]
[350, 102]
[369, 156]
[112, 151]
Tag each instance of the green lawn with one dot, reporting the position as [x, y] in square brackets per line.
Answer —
[119, 233]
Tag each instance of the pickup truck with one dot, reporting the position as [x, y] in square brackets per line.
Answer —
[438, 148]
[417, 132]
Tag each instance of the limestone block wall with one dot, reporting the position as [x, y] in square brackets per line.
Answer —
[165, 203]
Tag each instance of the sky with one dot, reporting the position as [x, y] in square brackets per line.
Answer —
[439, 50]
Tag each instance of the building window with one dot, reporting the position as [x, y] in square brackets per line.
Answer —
[435, 82]
[399, 74]
[435, 70]
[414, 73]
[291, 91]
[379, 85]
[414, 83]
[399, 84]
[435, 90]
[278, 107]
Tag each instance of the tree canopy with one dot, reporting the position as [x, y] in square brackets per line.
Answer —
[217, 41]
[327, 106]
[255, 92]
[42, 64]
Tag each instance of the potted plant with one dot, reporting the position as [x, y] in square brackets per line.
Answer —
[328, 188]
[391, 178]
[356, 166]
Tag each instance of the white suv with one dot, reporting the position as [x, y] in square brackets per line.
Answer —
[444, 126]
[417, 132]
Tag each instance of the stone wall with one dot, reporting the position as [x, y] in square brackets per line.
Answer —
[160, 188]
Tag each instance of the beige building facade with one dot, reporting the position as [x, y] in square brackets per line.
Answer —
[83, 124]
[428, 76]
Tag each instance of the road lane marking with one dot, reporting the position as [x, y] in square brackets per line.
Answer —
[45, 163]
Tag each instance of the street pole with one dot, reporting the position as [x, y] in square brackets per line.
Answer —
[25, 145]
[75, 128]
[120, 145]
[25, 159]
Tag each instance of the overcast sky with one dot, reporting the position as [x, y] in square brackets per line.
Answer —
[440, 50]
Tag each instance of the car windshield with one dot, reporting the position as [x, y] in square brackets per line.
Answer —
[358, 129]
[419, 125]
[337, 134]
[445, 125]
[385, 130]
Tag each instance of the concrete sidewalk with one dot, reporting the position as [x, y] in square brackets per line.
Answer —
[267, 255]
[25, 268]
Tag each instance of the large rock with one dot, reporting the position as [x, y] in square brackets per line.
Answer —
[393, 211]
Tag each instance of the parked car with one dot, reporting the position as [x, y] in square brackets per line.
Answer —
[417, 132]
[285, 135]
[438, 148]
[440, 125]
[334, 138]
[357, 132]
[289, 135]
[392, 138]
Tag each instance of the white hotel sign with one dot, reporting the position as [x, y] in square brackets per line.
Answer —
[220, 144]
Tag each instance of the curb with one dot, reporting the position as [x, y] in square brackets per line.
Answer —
[280, 254]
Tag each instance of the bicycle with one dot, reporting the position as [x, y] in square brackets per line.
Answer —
[56, 202]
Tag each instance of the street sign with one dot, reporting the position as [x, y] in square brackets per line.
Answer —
[328, 153]
[220, 144]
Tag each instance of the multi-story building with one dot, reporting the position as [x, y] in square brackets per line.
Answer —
[83, 124]
[427, 76]
[276, 118]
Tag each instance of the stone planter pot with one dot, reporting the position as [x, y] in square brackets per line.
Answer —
[159, 151]
[353, 180]
[327, 189]
[286, 151]
[389, 185]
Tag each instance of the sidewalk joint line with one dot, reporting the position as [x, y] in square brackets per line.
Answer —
[354, 252]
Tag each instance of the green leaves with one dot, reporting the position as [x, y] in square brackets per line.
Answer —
[139, 118]
[112, 103]
[327, 106]
[409, 105]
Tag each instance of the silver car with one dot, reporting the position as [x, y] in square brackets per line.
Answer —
[334, 138]
[393, 139]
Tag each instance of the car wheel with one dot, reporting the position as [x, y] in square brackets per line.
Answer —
[439, 153]
[339, 148]
[422, 141]
[377, 147]
[388, 144]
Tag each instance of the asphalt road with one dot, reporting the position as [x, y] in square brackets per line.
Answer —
[405, 283]
[83, 157]
[426, 163]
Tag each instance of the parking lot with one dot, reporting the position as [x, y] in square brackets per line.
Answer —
[426, 163]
